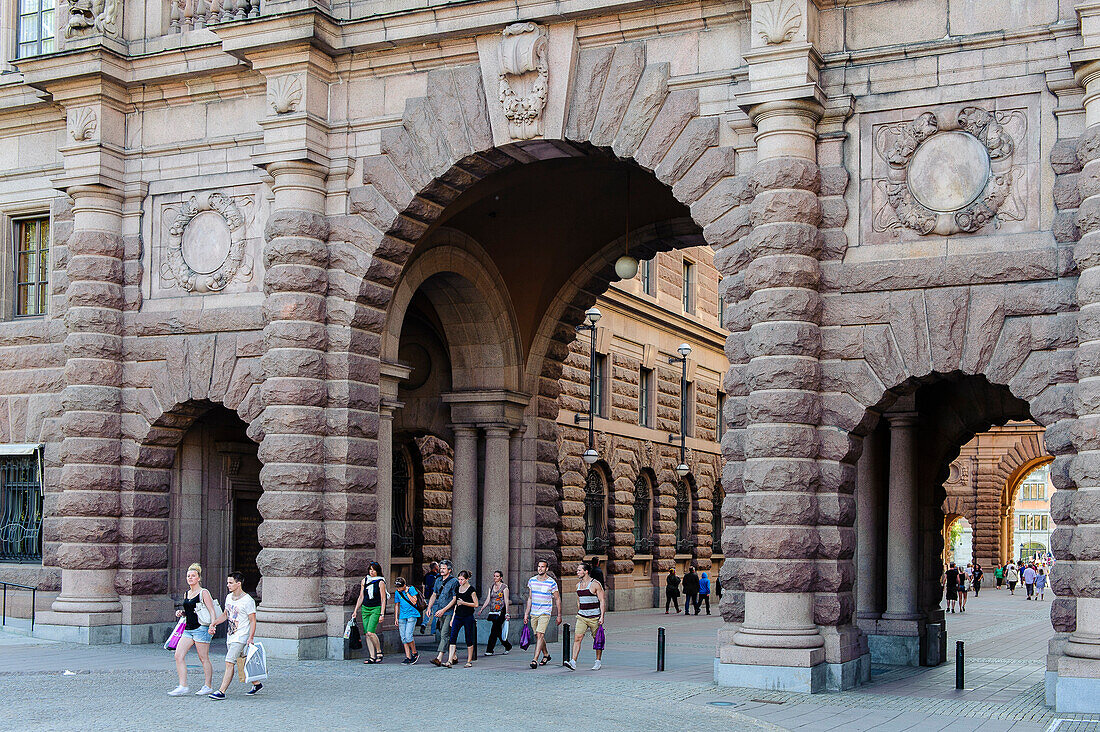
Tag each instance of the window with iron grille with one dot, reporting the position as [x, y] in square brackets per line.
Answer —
[720, 419]
[689, 287]
[598, 385]
[403, 539]
[649, 282]
[34, 28]
[716, 521]
[645, 397]
[20, 508]
[595, 513]
[642, 497]
[683, 518]
[32, 259]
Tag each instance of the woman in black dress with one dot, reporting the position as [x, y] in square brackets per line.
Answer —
[951, 585]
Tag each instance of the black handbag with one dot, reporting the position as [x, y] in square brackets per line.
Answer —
[356, 640]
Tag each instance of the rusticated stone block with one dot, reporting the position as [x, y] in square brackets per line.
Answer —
[97, 243]
[784, 304]
[298, 225]
[834, 212]
[289, 562]
[786, 172]
[782, 373]
[300, 391]
[1068, 192]
[834, 180]
[1064, 227]
[729, 229]
[775, 339]
[776, 575]
[588, 83]
[797, 509]
[644, 105]
[774, 206]
[1088, 145]
[1063, 614]
[726, 194]
[87, 556]
[367, 201]
[783, 270]
[712, 166]
[679, 108]
[784, 405]
[622, 79]
[779, 441]
[786, 237]
[1063, 156]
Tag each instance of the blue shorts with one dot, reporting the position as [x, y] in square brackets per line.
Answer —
[200, 634]
[407, 626]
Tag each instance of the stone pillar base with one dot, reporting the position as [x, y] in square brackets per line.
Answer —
[1076, 686]
[303, 649]
[848, 675]
[809, 679]
[894, 650]
[899, 642]
[91, 629]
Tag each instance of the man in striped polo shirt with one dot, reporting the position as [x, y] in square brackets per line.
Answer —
[542, 597]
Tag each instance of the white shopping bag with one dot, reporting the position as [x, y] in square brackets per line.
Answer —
[347, 629]
[255, 664]
[504, 631]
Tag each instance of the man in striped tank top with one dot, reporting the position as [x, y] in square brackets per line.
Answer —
[591, 604]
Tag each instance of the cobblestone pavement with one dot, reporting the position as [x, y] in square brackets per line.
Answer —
[123, 687]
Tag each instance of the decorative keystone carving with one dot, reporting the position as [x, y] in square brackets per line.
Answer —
[524, 76]
[950, 176]
[778, 21]
[88, 17]
[206, 244]
[284, 94]
[83, 124]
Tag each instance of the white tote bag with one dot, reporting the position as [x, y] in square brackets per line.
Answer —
[255, 665]
[504, 631]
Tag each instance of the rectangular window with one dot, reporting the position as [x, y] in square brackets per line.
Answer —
[598, 385]
[721, 312]
[687, 413]
[1043, 523]
[34, 28]
[20, 508]
[1023, 522]
[689, 287]
[649, 282]
[645, 397]
[719, 418]
[32, 260]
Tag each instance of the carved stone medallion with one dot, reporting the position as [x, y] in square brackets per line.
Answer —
[206, 244]
[524, 79]
[950, 172]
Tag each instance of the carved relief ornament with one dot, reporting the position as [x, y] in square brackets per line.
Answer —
[778, 21]
[83, 124]
[206, 244]
[93, 16]
[524, 77]
[950, 176]
[284, 94]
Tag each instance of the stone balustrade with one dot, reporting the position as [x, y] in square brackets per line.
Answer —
[185, 15]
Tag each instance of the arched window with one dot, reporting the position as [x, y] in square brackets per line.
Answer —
[716, 520]
[684, 542]
[402, 541]
[643, 496]
[595, 512]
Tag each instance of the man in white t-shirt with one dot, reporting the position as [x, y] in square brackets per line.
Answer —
[240, 611]
[1029, 575]
[542, 597]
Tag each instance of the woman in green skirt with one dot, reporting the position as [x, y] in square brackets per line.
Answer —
[372, 604]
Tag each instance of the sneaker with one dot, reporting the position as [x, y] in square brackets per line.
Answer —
[204, 691]
[415, 658]
[505, 653]
[406, 661]
[216, 695]
[571, 665]
[488, 653]
[180, 691]
[254, 689]
[597, 666]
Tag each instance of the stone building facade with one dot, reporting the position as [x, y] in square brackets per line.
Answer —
[253, 209]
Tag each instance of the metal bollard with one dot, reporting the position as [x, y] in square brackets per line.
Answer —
[565, 644]
[959, 665]
[660, 649]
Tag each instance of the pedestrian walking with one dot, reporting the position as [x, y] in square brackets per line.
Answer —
[964, 588]
[951, 586]
[195, 632]
[497, 600]
[1029, 575]
[405, 617]
[465, 606]
[672, 591]
[1041, 582]
[1012, 576]
[691, 591]
[704, 592]
[372, 604]
[240, 611]
[976, 581]
[429, 588]
[718, 586]
[591, 606]
[441, 605]
[542, 599]
[999, 575]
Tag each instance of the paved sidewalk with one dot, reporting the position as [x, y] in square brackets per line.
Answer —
[123, 687]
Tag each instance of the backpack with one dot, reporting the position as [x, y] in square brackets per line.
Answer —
[417, 601]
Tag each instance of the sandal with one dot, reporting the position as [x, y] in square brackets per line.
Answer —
[534, 664]
[371, 659]
[447, 665]
[437, 662]
[545, 660]
[469, 665]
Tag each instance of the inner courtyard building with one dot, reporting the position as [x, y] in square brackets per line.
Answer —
[299, 285]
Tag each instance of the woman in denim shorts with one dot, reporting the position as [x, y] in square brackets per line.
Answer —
[194, 633]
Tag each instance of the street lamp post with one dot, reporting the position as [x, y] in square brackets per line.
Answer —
[591, 317]
[684, 350]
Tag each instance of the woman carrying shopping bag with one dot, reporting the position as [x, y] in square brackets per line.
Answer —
[198, 611]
